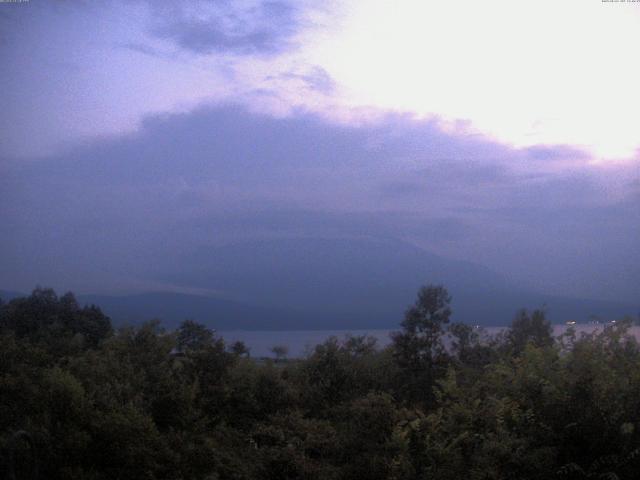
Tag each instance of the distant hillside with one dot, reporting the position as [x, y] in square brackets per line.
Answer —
[6, 295]
[366, 283]
[305, 284]
[172, 308]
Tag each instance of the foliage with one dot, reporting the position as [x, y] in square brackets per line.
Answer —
[530, 328]
[443, 401]
[418, 348]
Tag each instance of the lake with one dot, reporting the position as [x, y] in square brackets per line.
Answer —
[301, 342]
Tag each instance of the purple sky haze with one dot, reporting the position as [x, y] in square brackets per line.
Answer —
[133, 133]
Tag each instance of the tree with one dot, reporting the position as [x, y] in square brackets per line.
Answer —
[60, 323]
[193, 336]
[360, 345]
[280, 351]
[418, 348]
[420, 342]
[240, 349]
[366, 437]
[534, 328]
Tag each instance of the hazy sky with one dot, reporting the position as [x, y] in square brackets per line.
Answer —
[500, 132]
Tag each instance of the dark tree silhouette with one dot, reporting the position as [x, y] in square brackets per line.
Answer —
[526, 328]
[418, 348]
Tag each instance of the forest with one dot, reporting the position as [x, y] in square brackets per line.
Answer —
[80, 399]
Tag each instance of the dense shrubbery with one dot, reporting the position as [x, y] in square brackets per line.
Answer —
[79, 401]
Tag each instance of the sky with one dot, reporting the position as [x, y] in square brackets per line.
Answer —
[504, 133]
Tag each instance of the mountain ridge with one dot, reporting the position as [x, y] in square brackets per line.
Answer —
[315, 284]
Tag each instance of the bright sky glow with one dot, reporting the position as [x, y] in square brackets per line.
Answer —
[526, 73]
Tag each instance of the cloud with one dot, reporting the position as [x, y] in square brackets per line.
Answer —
[127, 209]
[554, 152]
[257, 28]
[144, 49]
[315, 78]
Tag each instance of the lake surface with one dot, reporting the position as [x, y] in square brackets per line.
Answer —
[301, 342]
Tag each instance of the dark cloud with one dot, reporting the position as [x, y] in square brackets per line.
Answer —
[144, 49]
[320, 224]
[554, 152]
[264, 28]
[129, 208]
[319, 79]
[315, 78]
